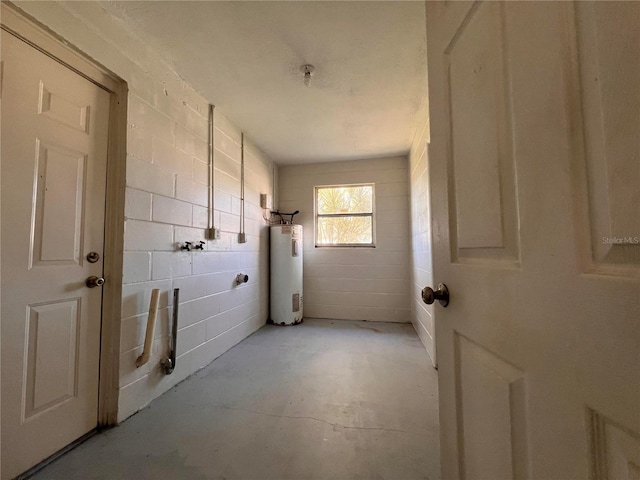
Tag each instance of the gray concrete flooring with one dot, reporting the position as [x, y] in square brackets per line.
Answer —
[326, 399]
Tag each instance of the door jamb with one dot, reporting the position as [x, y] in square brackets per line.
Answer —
[16, 22]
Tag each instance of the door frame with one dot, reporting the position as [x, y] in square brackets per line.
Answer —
[17, 23]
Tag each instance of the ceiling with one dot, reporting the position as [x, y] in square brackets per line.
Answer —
[368, 92]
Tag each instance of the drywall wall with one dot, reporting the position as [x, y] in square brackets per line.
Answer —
[355, 283]
[421, 263]
[166, 204]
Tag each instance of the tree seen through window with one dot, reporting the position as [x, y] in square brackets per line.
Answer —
[344, 215]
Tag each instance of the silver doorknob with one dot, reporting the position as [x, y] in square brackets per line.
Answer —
[94, 281]
[441, 294]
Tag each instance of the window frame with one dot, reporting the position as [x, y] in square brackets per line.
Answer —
[317, 215]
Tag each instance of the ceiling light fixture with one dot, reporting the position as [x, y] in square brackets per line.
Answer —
[307, 71]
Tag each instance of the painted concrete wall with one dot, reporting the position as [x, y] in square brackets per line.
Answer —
[421, 263]
[166, 204]
[351, 282]
[215, 314]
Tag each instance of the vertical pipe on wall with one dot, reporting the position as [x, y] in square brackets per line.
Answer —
[169, 363]
[211, 213]
[242, 237]
[274, 186]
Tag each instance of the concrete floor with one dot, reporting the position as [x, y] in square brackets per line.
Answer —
[322, 400]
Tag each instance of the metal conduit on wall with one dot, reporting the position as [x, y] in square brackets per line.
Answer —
[242, 236]
[211, 229]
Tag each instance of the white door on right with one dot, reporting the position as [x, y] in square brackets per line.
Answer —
[535, 193]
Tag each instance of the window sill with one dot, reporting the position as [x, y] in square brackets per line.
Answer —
[345, 246]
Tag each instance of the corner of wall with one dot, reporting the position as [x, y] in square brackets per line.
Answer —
[421, 260]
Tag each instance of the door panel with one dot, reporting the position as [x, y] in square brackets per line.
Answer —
[615, 450]
[491, 406]
[609, 70]
[52, 354]
[63, 110]
[481, 175]
[54, 150]
[534, 168]
[59, 208]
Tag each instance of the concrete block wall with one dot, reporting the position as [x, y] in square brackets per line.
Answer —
[166, 204]
[355, 283]
[421, 260]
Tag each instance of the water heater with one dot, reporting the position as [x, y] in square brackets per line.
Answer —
[286, 274]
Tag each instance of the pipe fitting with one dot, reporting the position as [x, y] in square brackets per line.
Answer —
[241, 278]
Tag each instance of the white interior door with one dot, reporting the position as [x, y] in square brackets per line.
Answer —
[54, 151]
[535, 181]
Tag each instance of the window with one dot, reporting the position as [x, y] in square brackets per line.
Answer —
[344, 216]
